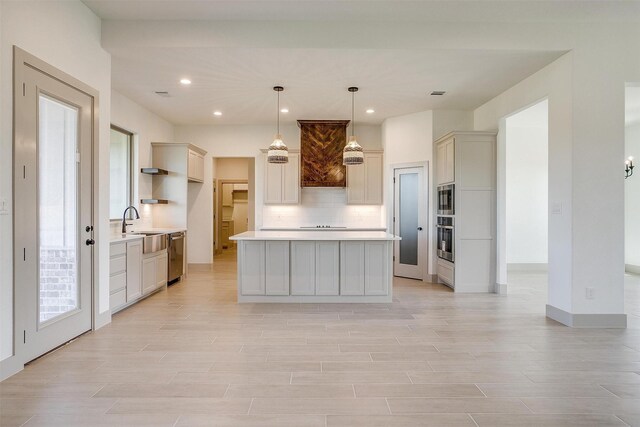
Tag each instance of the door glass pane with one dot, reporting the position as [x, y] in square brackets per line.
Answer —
[57, 201]
[408, 194]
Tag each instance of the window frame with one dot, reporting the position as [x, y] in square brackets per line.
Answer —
[130, 169]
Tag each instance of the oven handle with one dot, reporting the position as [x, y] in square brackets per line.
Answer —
[448, 227]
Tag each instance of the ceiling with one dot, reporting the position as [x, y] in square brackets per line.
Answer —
[238, 81]
[370, 10]
[233, 67]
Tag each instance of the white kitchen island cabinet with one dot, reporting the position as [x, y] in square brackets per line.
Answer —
[315, 267]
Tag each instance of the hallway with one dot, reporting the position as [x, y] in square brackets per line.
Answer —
[192, 356]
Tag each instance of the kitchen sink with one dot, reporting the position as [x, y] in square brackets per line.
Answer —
[152, 242]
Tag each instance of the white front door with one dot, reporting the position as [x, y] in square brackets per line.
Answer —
[53, 211]
[409, 222]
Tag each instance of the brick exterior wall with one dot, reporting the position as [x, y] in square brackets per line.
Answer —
[58, 286]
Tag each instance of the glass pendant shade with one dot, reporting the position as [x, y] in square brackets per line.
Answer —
[352, 153]
[278, 152]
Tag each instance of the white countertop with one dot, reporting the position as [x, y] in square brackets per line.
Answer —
[314, 235]
[120, 238]
[323, 229]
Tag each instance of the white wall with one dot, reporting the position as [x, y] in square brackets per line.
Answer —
[146, 127]
[65, 34]
[241, 141]
[409, 139]
[632, 199]
[527, 188]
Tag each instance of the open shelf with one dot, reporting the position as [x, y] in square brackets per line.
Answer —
[154, 171]
[154, 201]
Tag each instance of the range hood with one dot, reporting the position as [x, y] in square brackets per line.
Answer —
[321, 145]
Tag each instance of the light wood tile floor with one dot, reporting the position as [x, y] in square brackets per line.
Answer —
[191, 356]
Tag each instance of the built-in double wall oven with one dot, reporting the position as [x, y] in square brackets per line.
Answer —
[446, 199]
[446, 238]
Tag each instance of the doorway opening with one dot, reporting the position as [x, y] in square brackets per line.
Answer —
[234, 201]
[409, 220]
[54, 160]
[632, 199]
[526, 194]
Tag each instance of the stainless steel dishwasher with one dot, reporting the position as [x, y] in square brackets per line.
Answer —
[176, 256]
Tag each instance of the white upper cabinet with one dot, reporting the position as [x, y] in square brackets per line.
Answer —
[282, 181]
[364, 182]
[195, 168]
[445, 162]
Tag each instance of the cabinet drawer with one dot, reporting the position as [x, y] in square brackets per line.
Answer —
[117, 265]
[118, 249]
[117, 299]
[117, 282]
[445, 272]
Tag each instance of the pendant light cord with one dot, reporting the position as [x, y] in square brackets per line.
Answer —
[353, 122]
[278, 121]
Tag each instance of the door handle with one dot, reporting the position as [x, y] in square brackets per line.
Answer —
[88, 228]
[90, 242]
[419, 228]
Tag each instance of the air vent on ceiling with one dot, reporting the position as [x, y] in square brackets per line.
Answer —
[438, 93]
[163, 93]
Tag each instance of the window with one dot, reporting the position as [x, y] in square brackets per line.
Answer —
[120, 170]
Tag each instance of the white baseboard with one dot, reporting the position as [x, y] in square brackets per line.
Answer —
[430, 278]
[500, 288]
[528, 267]
[578, 320]
[633, 269]
[9, 367]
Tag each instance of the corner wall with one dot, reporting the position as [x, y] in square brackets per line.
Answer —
[67, 35]
[632, 201]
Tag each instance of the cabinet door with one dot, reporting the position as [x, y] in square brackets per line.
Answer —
[252, 266]
[227, 195]
[441, 163]
[195, 167]
[356, 184]
[351, 268]
[377, 258]
[291, 180]
[327, 270]
[450, 165]
[134, 274]
[373, 178]
[161, 270]
[277, 268]
[148, 275]
[303, 269]
[272, 183]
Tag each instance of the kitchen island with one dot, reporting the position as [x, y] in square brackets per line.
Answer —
[315, 266]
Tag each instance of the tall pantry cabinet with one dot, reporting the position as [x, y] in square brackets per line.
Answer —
[468, 161]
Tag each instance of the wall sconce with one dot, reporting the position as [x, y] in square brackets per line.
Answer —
[628, 167]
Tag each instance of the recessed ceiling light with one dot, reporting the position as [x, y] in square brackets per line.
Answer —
[217, 113]
[284, 110]
[371, 111]
[438, 92]
[185, 82]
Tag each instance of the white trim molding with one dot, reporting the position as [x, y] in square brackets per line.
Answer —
[587, 320]
[633, 269]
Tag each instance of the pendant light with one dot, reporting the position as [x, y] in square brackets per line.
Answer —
[352, 154]
[278, 152]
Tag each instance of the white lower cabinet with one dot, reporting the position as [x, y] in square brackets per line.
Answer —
[134, 273]
[154, 271]
[376, 271]
[252, 267]
[277, 268]
[319, 270]
[303, 268]
[351, 268]
[327, 268]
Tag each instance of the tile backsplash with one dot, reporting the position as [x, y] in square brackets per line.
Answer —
[322, 206]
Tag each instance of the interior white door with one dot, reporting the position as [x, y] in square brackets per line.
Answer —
[409, 220]
[53, 220]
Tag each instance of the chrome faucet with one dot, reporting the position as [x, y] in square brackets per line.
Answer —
[124, 218]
